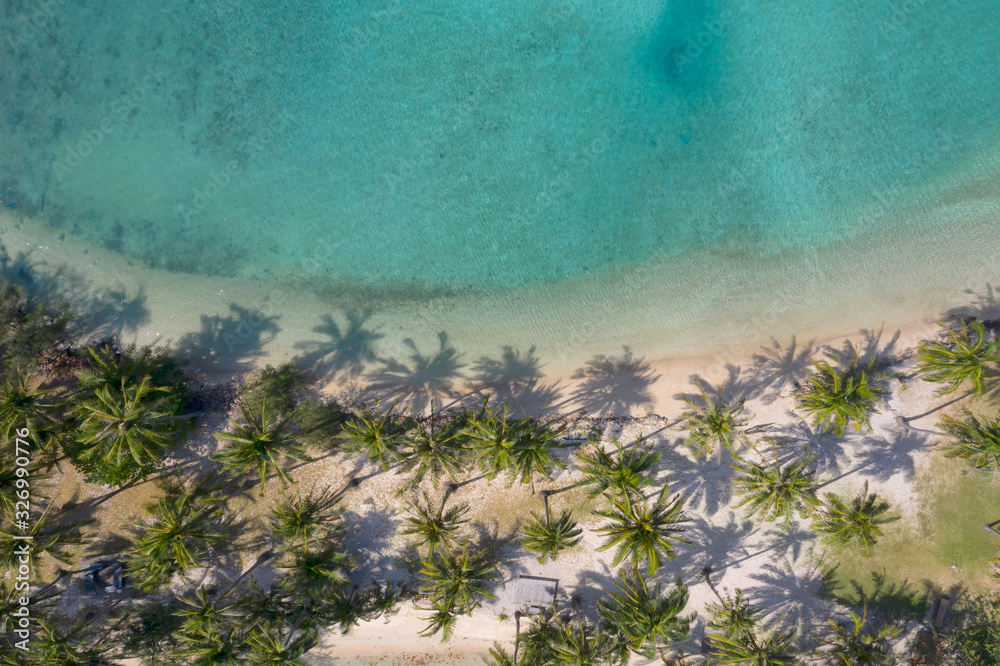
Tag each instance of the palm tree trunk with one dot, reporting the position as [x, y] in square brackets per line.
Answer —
[906, 419]
[261, 559]
[707, 573]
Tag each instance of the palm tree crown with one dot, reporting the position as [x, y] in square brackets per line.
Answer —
[646, 618]
[186, 523]
[838, 398]
[460, 578]
[303, 520]
[772, 489]
[435, 450]
[713, 421]
[641, 530]
[962, 356]
[857, 521]
[379, 435]
[975, 440]
[260, 444]
[548, 537]
[493, 437]
[433, 525]
[851, 645]
[619, 473]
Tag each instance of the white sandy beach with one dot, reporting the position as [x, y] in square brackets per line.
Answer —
[781, 571]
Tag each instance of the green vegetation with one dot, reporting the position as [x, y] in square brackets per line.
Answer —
[32, 328]
[771, 490]
[115, 414]
[713, 422]
[836, 398]
[643, 531]
[851, 645]
[976, 639]
[433, 526]
[619, 474]
[739, 636]
[975, 441]
[854, 522]
[549, 537]
[645, 617]
[260, 444]
[965, 355]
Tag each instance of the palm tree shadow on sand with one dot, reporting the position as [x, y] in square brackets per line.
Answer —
[614, 385]
[777, 368]
[515, 379]
[232, 343]
[421, 381]
[983, 306]
[346, 350]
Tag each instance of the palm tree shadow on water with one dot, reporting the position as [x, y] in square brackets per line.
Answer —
[103, 312]
[344, 350]
[420, 381]
[515, 379]
[613, 385]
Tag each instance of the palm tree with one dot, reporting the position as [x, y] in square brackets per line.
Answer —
[713, 421]
[51, 647]
[442, 618]
[581, 643]
[186, 523]
[54, 540]
[260, 444]
[201, 615]
[493, 437]
[312, 575]
[644, 531]
[772, 490]
[733, 615]
[498, 656]
[22, 406]
[228, 648]
[433, 526]
[13, 480]
[646, 618]
[351, 607]
[534, 453]
[852, 646]
[460, 579]
[962, 356]
[739, 637]
[838, 398]
[550, 537]
[302, 521]
[855, 522]
[124, 430]
[109, 367]
[438, 451]
[976, 441]
[270, 646]
[378, 435]
[619, 473]
[754, 648]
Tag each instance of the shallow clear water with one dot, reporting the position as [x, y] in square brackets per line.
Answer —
[486, 145]
[573, 177]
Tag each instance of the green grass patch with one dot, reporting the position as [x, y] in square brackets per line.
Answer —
[945, 552]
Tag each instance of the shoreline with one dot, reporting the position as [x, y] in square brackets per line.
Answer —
[229, 327]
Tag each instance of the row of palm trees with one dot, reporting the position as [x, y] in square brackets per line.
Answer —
[125, 410]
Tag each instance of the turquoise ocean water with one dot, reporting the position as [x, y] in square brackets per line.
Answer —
[439, 146]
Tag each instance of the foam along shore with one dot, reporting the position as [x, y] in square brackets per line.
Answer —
[681, 312]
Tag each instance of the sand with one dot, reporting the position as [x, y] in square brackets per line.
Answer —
[780, 571]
